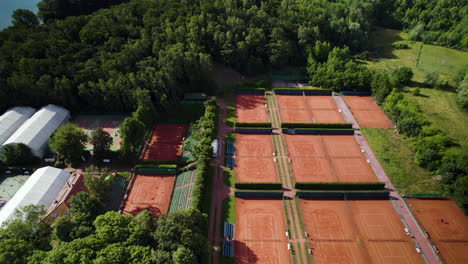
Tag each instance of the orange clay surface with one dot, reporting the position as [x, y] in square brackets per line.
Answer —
[149, 192]
[307, 109]
[165, 142]
[326, 158]
[251, 108]
[356, 232]
[260, 232]
[254, 158]
[446, 225]
[367, 112]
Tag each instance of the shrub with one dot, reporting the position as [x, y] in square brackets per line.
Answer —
[400, 45]
[416, 91]
[316, 125]
[254, 125]
[259, 185]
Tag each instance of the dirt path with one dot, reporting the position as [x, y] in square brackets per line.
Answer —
[427, 251]
[296, 237]
[219, 190]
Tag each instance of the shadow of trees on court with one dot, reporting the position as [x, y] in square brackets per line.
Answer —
[243, 254]
[155, 211]
[250, 101]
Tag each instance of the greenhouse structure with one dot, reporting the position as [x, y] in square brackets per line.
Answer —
[35, 132]
[12, 119]
[41, 188]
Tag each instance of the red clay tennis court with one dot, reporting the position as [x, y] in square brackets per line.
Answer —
[358, 231]
[165, 142]
[250, 108]
[150, 192]
[446, 225]
[367, 112]
[328, 158]
[260, 232]
[307, 109]
[254, 158]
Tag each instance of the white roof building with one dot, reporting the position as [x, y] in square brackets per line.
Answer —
[40, 189]
[12, 119]
[35, 132]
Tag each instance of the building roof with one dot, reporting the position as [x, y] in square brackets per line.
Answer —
[40, 189]
[12, 119]
[35, 132]
[74, 185]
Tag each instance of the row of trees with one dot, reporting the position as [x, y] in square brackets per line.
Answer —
[93, 236]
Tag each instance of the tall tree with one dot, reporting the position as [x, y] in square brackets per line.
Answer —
[101, 141]
[132, 131]
[98, 181]
[68, 142]
[24, 17]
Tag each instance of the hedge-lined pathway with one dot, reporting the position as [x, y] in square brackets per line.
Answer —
[219, 190]
[426, 248]
[293, 217]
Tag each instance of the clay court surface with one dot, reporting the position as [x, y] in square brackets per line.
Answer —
[328, 158]
[367, 112]
[109, 123]
[358, 231]
[307, 109]
[260, 232]
[149, 192]
[446, 225]
[250, 108]
[165, 142]
[254, 158]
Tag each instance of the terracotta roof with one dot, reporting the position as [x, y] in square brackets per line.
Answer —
[74, 185]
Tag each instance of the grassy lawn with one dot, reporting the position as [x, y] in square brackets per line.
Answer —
[396, 157]
[229, 177]
[124, 174]
[228, 214]
[441, 109]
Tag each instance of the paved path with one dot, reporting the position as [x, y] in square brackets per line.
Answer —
[402, 209]
[219, 190]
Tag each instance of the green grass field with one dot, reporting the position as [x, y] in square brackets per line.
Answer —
[396, 157]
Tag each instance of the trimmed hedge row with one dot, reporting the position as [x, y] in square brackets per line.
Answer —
[316, 125]
[259, 185]
[157, 170]
[372, 194]
[156, 166]
[320, 131]
[259, 194]
[253, 125]
[340, 185]
[247, 89]
[157, 162]
[254, 130]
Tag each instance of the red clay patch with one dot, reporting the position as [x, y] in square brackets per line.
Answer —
[149, 192]
[353, 170]
[254, 145]
[446, 225]
[308, 109]
[251, 108]
[165, 142]
[327, 116]
[356, 232]
[260, 232]
[367, 112]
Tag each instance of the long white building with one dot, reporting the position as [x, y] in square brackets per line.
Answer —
[40, 189]
[36, 131]
[12, 119]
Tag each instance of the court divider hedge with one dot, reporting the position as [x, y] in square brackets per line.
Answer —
[344, 194]
[320, 131]
[259, 193]
[156, 162]
[259, 185]
[340, 185]
[157, 166]
[254, 130]
[316, 125]
[157, 170]
[254, 125]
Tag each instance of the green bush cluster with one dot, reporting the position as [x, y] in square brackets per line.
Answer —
[156, 166]
[316, 125]
[204, 131]
[433, 149]
[340, 185]
[259, 185]
[259, 191]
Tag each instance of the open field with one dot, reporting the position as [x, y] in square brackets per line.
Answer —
[254, 158]
[440, 108]
[446, 225]
[251, 108]
[367, 231]
[367, 112]
[308, 109]
[328, 158]
[150, 192]
[165, 142]
[260, 232]
[396, 157]
[109, 123]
